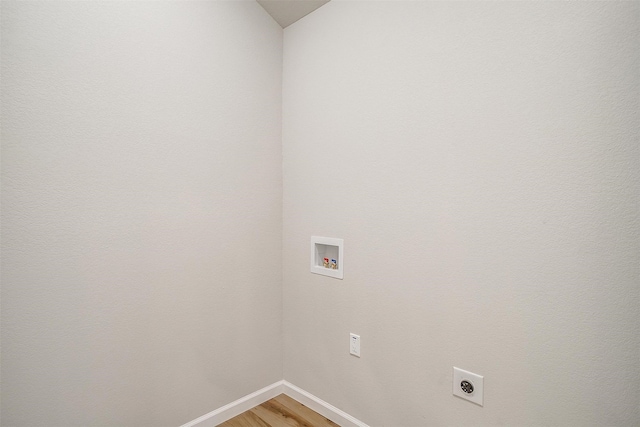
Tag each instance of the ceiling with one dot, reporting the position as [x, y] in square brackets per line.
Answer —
[286, 12]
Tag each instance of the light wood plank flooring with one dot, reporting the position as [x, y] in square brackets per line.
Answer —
[281, 411]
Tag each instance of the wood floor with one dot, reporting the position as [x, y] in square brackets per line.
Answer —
[281, 411]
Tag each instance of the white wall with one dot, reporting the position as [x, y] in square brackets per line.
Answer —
[481, 161]
[141, 210]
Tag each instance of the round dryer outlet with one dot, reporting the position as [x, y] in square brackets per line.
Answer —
[468, 385]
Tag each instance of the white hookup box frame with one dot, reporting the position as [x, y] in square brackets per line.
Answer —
[327, 247]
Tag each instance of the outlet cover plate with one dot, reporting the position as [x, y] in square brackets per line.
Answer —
[475, 392]
[354, 344]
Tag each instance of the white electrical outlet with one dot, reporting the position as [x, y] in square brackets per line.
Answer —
[468, 385]
[354, 344]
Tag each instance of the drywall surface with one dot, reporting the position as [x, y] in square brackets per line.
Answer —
[481, 162]
[141, 210]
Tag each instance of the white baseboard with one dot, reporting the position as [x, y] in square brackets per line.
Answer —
[243, 404]
[237, 407]
[320, 406]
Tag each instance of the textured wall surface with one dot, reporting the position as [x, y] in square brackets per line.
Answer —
[481, 161]
[141, 210]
